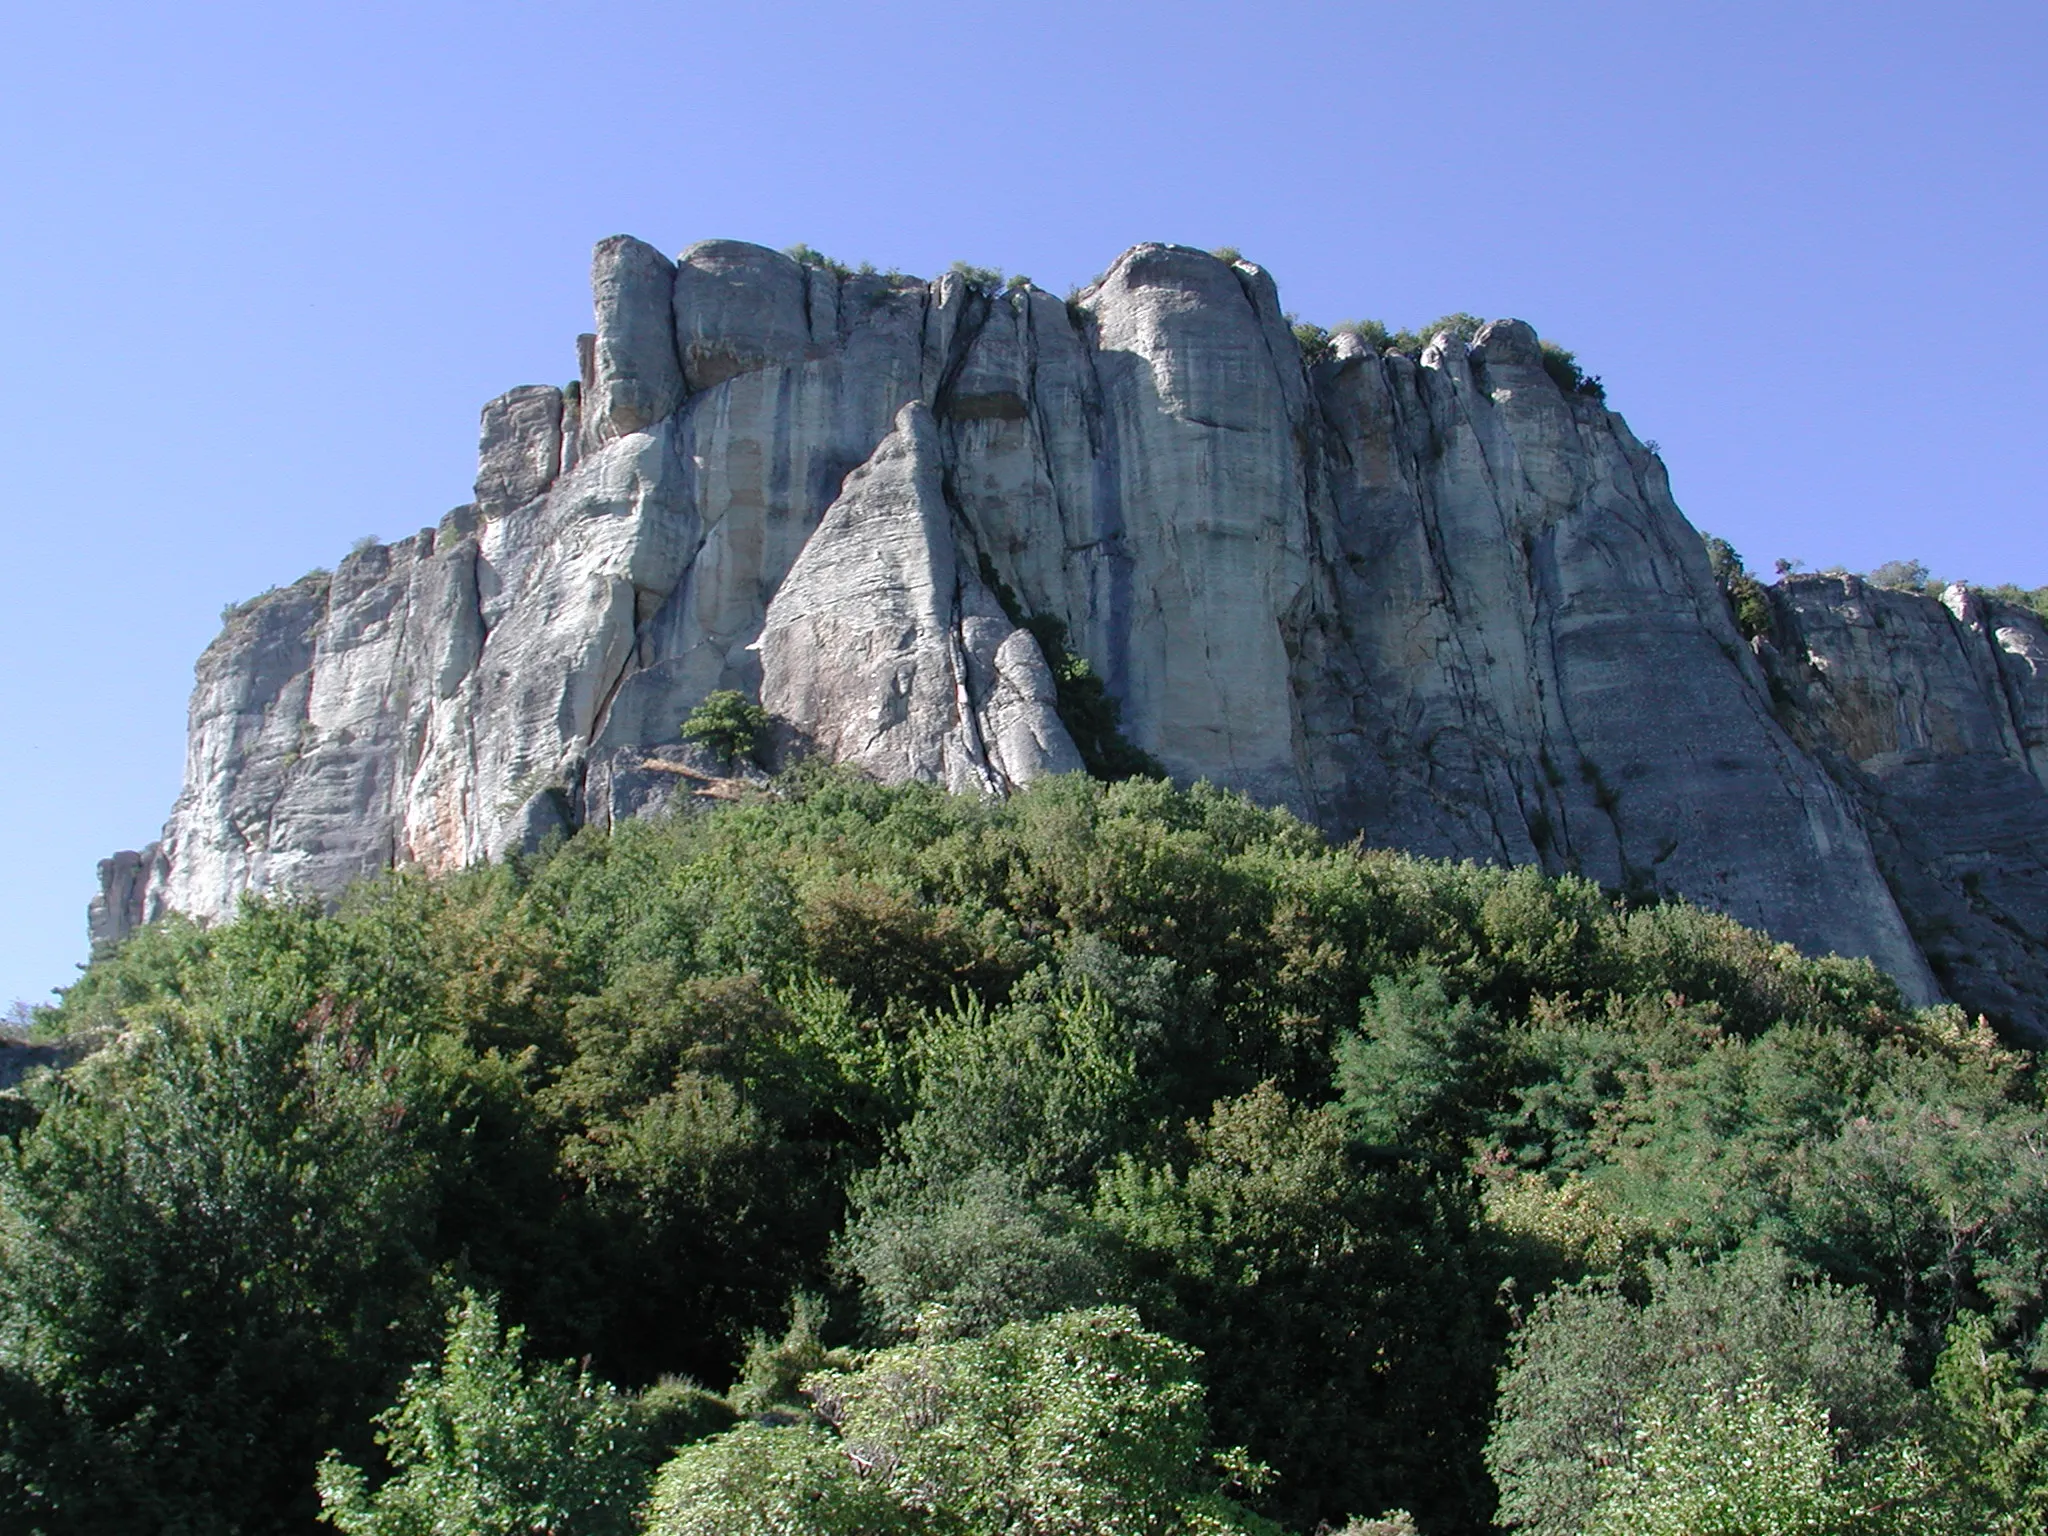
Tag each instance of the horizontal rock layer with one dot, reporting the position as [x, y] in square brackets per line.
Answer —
[1436, 603]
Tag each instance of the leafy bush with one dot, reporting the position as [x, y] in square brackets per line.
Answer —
[1748, 602]
[1315, 342]
[987, 279]
[487, 1444]
[1084, 1422]
[727, 723]
[1760, 1462]
[1592, 1374]
[805, 256]
[1565, 372]
[2035, 598]
[1086, 708]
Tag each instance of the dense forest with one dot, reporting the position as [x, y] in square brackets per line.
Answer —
[1113, 1158]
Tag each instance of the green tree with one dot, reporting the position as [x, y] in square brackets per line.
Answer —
[1340, 1300]
[1992, 1429]
[483, 1443]
[1760, 1461]
[1415, 1074]
[213, 1249]
[1082, 1422]
[1587, 1360]
[728, 724]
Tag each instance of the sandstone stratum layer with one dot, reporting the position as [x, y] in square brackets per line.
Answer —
[1437, 603]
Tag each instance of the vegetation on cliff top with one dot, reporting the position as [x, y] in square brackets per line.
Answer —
[1109, 1158]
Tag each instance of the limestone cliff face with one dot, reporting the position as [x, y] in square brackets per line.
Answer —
[1933, 716]
[1435, 602]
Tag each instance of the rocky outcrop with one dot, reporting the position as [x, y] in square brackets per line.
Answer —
[1432, 601]
[1930, 714]
[884, 649]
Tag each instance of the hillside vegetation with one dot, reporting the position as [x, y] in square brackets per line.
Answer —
[1109, 1159]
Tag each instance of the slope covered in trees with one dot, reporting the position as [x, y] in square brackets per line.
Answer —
[1110, 1158]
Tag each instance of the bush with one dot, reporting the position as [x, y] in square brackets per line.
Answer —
[486, 1444]
[1902, 576]
[1315, 342]
[987, 279]
[1075, 1047]
[805, 256]
[728, 724]
[1591, 1371]
[1761, 1461]
[1084, 1422]
[1564, 370]
[1748, 602]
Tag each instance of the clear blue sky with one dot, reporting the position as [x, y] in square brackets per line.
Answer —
[259, 265]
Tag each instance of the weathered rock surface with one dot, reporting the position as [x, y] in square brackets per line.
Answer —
[1436, 602]
[882, 648]
[1930, 715]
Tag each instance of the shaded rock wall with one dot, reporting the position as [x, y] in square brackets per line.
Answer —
[1434, 602]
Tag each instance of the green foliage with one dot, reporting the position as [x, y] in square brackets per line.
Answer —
[987, 279]
[1748, 602]
[1760, 1462]
[971, 1253]
[1341, 1302]
[1992, 1429]
[1409, 1077]
[952, 1068]
[1458, 325]
[1565, 372]
[1315, 341]
[1083, 1422]
[212, 1229]
[1902, 576]
[805, 256]
[485, 1444]
[774, 1370]
[1085, 707]
[2035, 598]
[1373, 335]
[727, 723]
[1318, 344]
[1591, 1371]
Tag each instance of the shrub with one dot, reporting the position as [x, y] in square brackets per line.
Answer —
[1591, 1371]
[805, 256]
[1902, 576]
[1087, 709]
[727, 723]
[988, 279]
[2035, 598]
[484, 1443]
[1564, 370]
[1083, 1422]
[1761, 1462]
[1315, 342]
[1748, 602]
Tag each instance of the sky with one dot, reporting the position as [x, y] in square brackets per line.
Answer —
[261, 264]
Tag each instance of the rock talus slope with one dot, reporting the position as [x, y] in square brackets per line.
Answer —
[1436, 602]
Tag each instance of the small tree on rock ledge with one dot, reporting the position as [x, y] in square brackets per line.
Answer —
[727, 724]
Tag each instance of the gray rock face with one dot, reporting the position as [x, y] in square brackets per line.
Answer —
[1432, 601]
[634, 379]
[884, 649]
[1929, 715]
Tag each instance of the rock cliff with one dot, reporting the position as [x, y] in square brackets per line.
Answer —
[1435, 602]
